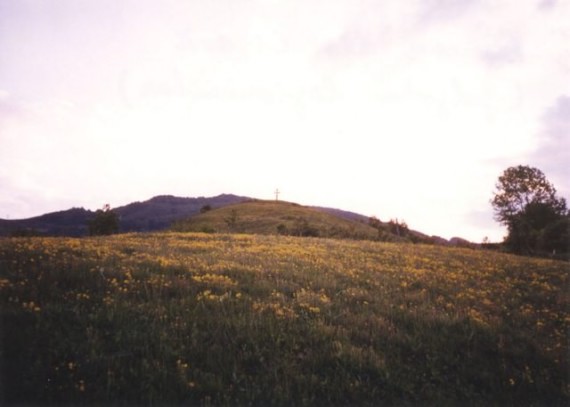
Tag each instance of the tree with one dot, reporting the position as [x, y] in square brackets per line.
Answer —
[304, 229]
[520, 186]
[398, 227]
[374, 222]
[105, 222]
[526, 202]
[232, 220]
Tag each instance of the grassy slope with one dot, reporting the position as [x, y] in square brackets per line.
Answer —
[264, 217]
[240, 319]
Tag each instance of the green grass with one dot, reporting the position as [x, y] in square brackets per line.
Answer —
[214, 319]
[272, 218]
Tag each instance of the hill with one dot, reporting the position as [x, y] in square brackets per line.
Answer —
[161, 212]
[355, 217]
[411, 235]
[71, 222]
[157, 213]
[222, 319]
[278, 217]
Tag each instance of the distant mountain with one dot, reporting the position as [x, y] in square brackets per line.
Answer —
[155, 214]
[161, 212]
[72, 222]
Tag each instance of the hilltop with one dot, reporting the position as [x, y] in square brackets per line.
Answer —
[288, 218]
[275, 217]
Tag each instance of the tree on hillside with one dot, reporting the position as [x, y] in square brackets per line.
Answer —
[374, 222]
[526, 203]
[105, 222]
[398, 227]
[304, 229]
[232, 221]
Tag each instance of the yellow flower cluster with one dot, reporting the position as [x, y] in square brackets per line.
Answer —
[215, 279]
[31, 306]
[278, 309]
[312, 301]
[208, 295]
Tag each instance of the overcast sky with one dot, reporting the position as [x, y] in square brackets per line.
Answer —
[399, 109]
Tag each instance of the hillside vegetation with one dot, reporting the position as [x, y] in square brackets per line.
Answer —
[217, 319]
[278, 217]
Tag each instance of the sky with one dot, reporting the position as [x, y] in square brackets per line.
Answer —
[395, 109]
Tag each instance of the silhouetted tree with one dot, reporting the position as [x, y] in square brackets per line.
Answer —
[526, 203]
[105, 222]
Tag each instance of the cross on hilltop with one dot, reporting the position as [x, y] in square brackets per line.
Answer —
[277, 194]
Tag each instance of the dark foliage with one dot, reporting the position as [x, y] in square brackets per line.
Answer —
[105, 222]
[537, 219]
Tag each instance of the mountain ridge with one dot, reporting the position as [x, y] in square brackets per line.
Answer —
[154, 214]
[161, 212]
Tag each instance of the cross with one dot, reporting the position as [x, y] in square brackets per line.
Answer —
[277, 194]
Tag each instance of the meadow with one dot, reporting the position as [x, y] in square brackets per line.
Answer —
[231, 319]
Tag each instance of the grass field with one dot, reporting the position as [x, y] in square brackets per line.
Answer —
[218, 319]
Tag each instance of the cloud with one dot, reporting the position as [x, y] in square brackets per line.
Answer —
[552, 154]
[10, 112]
[506, 53]
[438, 11]
[547, 4]
[368, 28]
